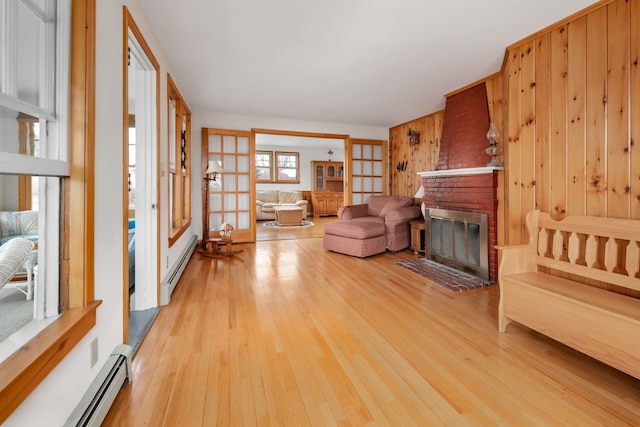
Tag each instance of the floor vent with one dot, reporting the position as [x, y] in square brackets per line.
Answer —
[169, 284]
[95, 403]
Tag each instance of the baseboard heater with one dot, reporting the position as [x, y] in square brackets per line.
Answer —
[169, 283]
[95, 403]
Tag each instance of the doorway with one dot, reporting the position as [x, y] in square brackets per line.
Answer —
[308, 148]
[140, 194]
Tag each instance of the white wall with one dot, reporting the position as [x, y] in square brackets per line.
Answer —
[307, 155]
[9, 193]
[56, 397]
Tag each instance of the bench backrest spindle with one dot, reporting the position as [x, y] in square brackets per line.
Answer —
[602, 249]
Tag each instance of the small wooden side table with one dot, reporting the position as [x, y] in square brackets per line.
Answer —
[213, 248]
[418, 227]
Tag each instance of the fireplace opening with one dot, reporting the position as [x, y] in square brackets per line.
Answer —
[459, 240]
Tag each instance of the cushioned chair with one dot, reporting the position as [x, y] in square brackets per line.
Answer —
[18, 224]
[13, 256]
[372, 228]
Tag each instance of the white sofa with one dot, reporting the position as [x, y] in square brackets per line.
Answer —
[267, 199]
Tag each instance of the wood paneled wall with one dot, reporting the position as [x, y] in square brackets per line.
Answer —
[404, 180]
[567, 104]
[572, 117]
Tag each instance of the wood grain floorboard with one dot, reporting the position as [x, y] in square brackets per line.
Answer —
[289, 334]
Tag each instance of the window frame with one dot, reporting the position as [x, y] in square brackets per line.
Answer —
[270, 166]
[277, 167]
[179, 134]
[26, 146]
[24, 370]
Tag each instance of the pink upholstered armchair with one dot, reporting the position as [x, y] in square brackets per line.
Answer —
[372, 228]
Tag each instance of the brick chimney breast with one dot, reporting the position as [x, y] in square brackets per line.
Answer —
[464, 130]
[462, 145]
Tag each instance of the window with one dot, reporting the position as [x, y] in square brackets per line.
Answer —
[27, 104]
[264, 166]
[287, 167]
[35, 92]
[179, 163]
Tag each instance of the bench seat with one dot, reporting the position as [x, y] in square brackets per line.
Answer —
[577, 293]
[559, 284]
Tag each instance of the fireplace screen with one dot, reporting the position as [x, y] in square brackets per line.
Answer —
[459, 240]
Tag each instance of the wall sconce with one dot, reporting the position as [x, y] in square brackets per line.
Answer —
[493, 149]
[330, 153]
[414, 137]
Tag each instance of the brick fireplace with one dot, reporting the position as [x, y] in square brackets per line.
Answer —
[462, 181]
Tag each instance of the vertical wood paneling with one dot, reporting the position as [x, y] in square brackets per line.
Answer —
[559, 123]
[527, 127]
[515, 221]
[635, 109]
[424, 162]
[495, 99]
[618, 111]
[434, 142]
[421, 158]
[587, 105]
[569, 131]
[576, 81]
[596, 191]
[543, 119]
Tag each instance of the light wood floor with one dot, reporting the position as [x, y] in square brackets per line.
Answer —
[287, 333]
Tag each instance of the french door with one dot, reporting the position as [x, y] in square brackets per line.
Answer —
[228, 198]
[366, 163]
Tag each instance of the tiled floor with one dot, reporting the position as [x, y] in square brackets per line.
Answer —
[139, 324]
[449, 278]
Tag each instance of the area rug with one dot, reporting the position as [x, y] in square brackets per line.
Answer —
[15, 311]
[274, 224]
[447, 277]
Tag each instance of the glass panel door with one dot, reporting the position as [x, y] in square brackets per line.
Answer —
[367, 169]
[228, 198]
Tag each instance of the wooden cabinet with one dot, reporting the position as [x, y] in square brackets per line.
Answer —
[417, 235]
[327, 176]
[327, 203]
[328, 182]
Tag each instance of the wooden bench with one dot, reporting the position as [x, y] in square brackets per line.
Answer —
[560, 284]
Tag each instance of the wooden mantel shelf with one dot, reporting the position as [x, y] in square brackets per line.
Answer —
[461, 171]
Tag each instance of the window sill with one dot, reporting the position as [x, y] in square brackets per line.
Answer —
[23, 371]
[175, 233]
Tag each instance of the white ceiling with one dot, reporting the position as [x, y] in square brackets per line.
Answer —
[365, 62]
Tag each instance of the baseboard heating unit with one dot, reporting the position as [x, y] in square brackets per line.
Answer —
[95, 403]
[169, 283]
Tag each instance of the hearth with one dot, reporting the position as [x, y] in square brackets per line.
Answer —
[458, 239]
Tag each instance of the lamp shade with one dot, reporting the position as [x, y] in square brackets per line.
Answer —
[215, 167]
[419, 195]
